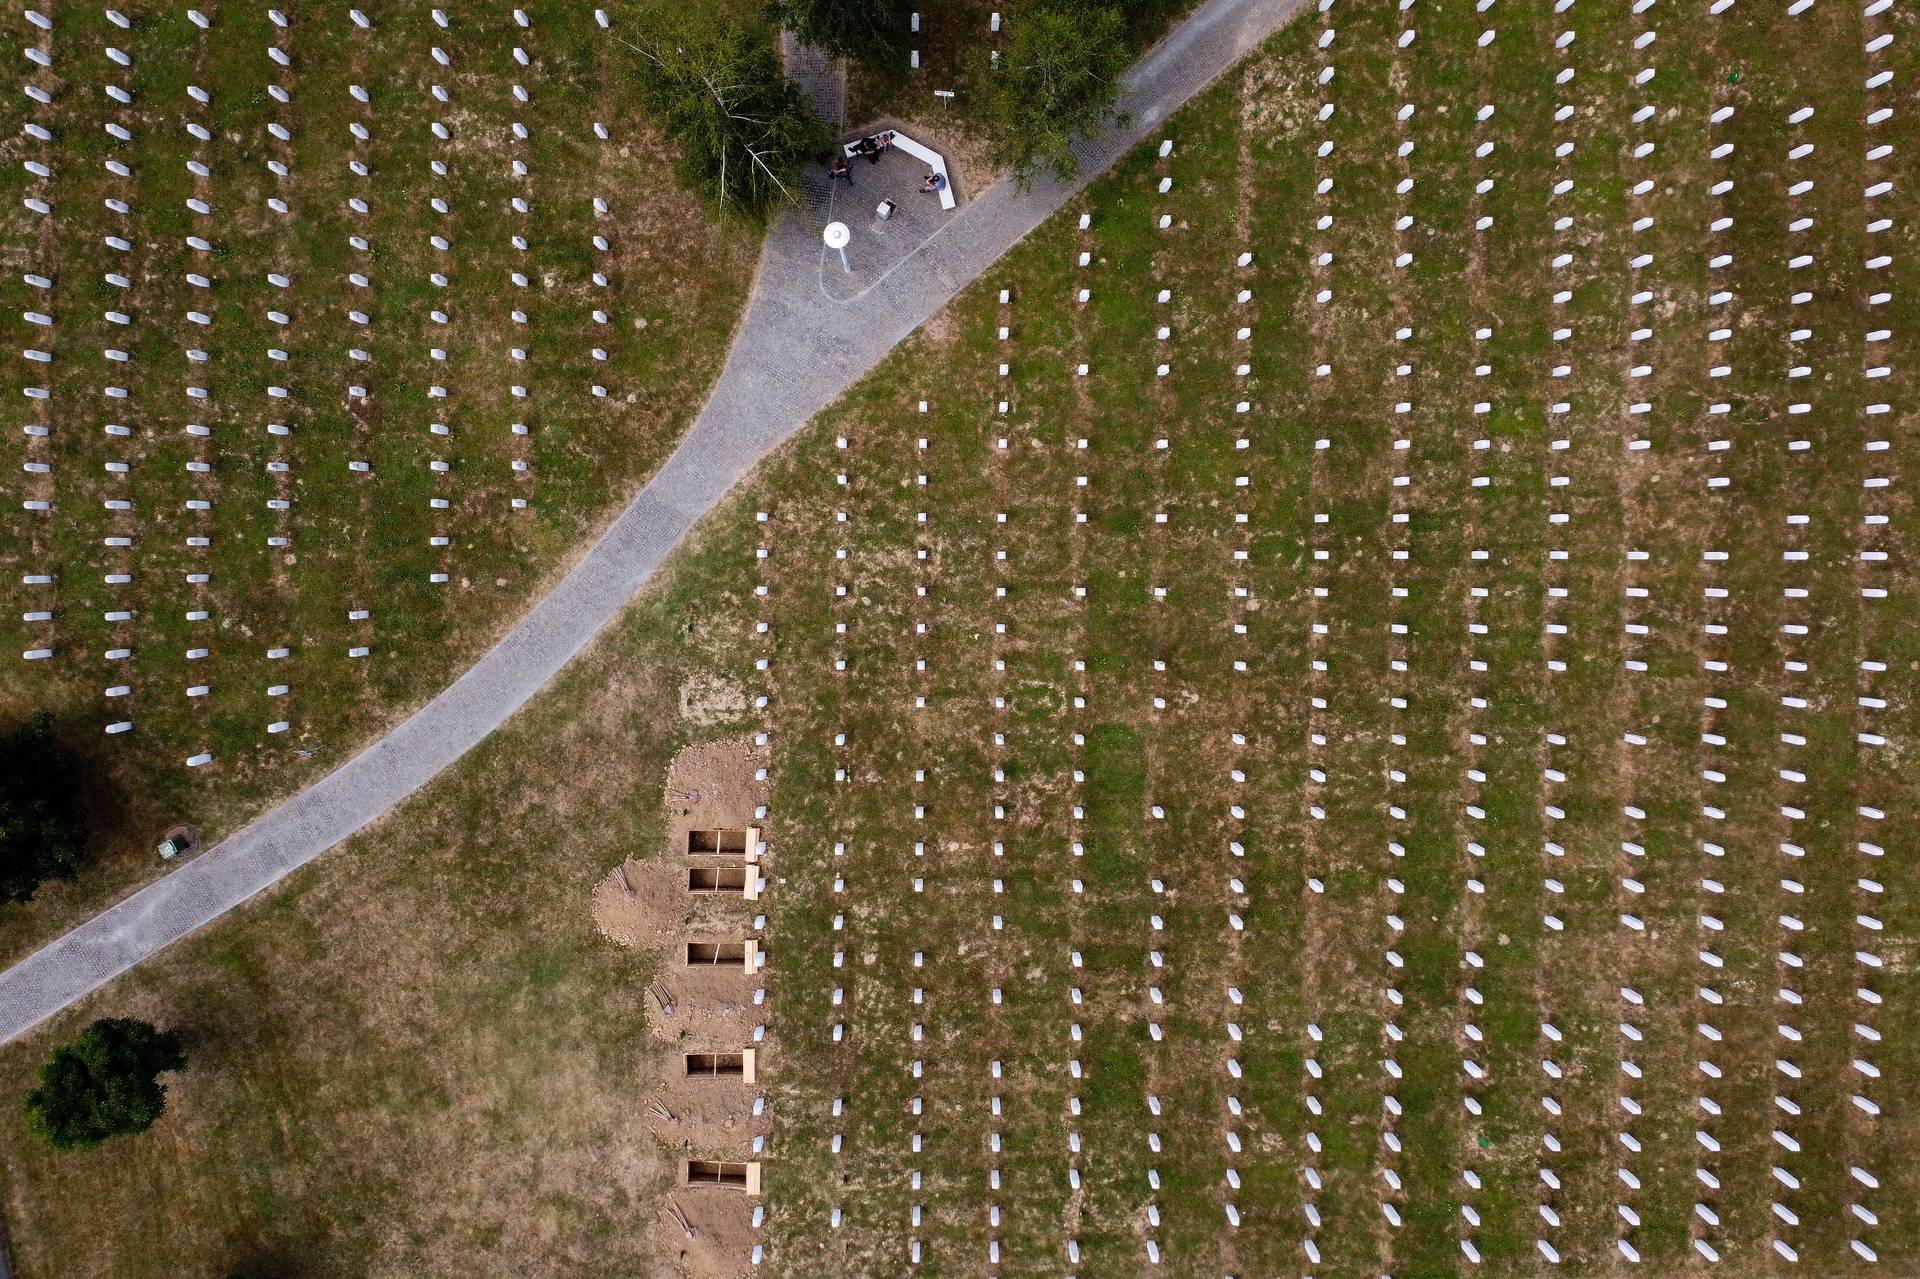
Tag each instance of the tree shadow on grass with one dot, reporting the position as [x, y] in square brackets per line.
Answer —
[112, 820]
[264, 1260]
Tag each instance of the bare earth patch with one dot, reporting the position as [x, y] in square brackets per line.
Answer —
[647, 905]
[712, 786]
[642, 904]
[722, 1236]
[707, 699]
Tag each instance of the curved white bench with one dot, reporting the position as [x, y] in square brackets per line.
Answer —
[926, 155]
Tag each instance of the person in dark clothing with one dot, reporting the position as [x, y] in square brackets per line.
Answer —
[837, 168]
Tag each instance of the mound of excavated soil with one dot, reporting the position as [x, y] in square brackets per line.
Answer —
[710, 1007]
[713, 785]
[653, 913]
[724, 1236]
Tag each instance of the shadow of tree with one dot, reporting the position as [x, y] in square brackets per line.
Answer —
[262, 1260]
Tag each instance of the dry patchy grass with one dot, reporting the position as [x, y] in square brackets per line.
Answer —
[416, 1053]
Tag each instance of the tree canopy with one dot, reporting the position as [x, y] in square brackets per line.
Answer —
[717, 90]
[871, 32]
[103, 1084]
[43, 825]
[1057, 81]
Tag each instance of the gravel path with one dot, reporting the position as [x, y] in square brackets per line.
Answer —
[797, 349]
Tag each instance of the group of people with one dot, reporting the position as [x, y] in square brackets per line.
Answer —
[873, 147]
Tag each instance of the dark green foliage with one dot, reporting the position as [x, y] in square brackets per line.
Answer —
[871, 32]
[102, 1084]
[1147, 19]
[42, 821]
[1058, 81]
[717, 90]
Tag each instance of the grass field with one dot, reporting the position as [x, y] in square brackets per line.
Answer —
[318, 419]
[1372, 741]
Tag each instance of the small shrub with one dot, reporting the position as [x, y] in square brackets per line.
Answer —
[103, 1084]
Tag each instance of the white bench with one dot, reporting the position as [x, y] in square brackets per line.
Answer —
[926, 155]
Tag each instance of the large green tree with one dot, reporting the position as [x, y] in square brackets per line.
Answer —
[103, 1084]
[716, 89]
[43, 829]
[872, 32]
[1058, 80]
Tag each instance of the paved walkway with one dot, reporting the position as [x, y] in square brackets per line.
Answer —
[797, 349]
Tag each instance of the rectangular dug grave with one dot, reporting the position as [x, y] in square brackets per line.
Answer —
[719, 843]
[721, 954]
[717, 879]
[744, 1177]
[721, 1065]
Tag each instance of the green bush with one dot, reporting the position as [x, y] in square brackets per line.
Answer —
[1058, 80]
[103, 1084]
[43, 829]
[717, 90]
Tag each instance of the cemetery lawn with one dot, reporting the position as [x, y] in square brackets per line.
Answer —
[1417, 792]
[273, 634]
[1239, 771]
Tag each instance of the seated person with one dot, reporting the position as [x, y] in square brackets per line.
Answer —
[934, 181]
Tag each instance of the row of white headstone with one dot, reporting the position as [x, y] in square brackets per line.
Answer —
[1641, 150]
[1632, 1032]
[41, 100]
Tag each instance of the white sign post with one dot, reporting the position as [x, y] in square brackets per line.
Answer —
[836, 235]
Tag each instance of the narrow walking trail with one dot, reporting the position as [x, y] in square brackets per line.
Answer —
[797, 349]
